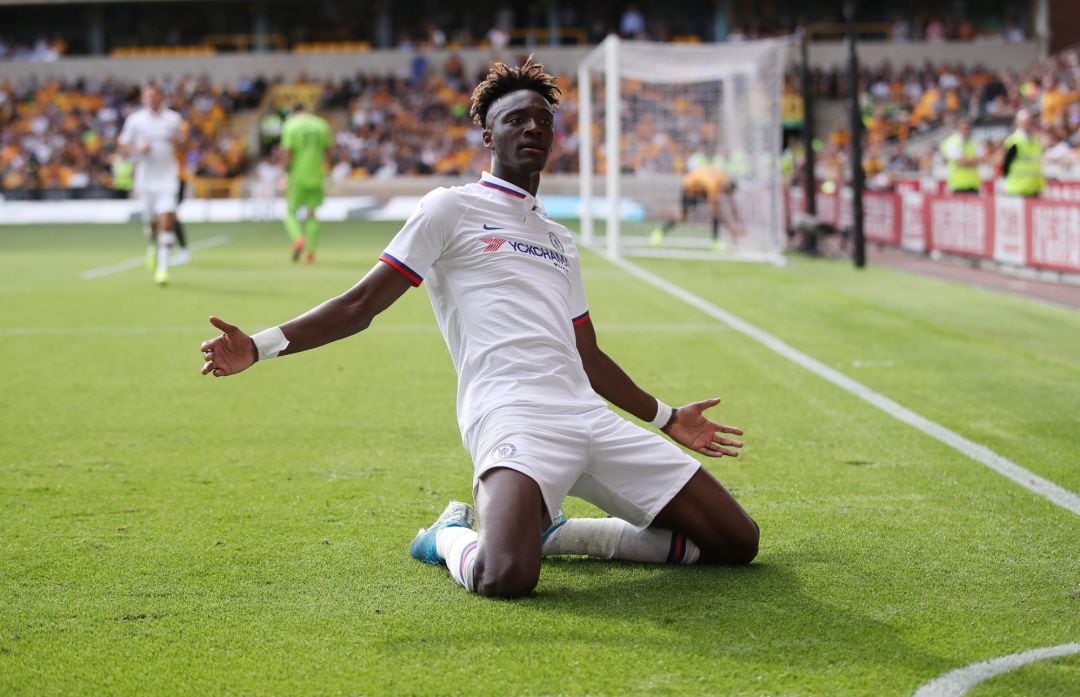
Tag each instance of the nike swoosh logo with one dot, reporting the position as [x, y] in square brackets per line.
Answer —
[488, 227]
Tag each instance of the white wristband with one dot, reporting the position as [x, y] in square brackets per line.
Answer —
[663, 414]
[270, 342]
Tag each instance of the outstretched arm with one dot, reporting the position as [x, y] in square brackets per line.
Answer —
[337, 318]
[687, 425]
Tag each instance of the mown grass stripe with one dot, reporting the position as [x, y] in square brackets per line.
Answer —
[980, 453]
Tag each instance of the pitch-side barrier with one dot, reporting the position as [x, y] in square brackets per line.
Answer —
[1037, 233]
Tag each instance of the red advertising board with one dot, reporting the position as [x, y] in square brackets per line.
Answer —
[913, 222]
[1053, 239]
[1062, 191]
[1040, 232]
[961, 225]
[881, 217]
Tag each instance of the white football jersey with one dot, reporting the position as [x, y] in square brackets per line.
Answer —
[157, 169]
[505, 283]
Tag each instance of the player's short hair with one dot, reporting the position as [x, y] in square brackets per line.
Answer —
[502, 80]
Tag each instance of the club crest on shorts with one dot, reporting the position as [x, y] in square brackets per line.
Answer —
[503, 451]
[555, 242]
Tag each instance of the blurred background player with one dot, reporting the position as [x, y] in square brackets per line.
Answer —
[305, 140]
[705, 183]
[962, 157]
[182, 253]
[151, 137]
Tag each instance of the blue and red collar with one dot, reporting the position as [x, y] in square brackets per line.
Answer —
[490, 181]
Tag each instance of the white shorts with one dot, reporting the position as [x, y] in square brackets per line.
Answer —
[159, 200]
[620, 467]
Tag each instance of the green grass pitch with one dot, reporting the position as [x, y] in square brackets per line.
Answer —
[167, 533]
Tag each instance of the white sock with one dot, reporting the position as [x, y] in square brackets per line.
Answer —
[166, 240]
[457, 547]
[612, 538]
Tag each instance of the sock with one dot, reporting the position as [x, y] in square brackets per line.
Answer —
[178, 228]
[457, 547]
[612, 538]
[148, 232]
[165, 242]
[312, 234]
[292, 226]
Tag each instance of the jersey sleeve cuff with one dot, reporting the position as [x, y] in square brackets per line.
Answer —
[402, 268]
[581, 319]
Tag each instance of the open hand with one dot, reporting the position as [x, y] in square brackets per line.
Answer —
[690, 428]
[228, 354]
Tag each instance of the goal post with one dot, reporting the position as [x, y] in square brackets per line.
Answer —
[682, 144]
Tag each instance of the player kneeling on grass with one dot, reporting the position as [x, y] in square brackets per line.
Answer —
[505, 283]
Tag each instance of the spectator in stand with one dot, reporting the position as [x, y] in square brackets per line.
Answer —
[1054, 100]
[433, 35]
[900, 30]
[935, 31]
[901, 162]
[498, 37]
[1012, 32]
[1060, 151]
[632, 23]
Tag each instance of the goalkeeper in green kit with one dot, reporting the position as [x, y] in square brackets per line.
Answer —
[305, 140]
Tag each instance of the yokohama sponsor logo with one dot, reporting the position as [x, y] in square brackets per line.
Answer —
[558, 260]
[538, 251]
[493, 244]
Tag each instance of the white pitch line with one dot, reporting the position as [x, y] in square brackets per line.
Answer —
[383, 329]
[958, 682]
[99, 272]
[980, 453]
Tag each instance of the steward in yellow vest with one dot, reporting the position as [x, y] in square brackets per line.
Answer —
[1022, 165]
[960, 155]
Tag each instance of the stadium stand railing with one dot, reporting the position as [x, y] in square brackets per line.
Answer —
[331, 47]
[821, 31]
[162, 51]
[217, 187]
[243, 43]
[533, 36]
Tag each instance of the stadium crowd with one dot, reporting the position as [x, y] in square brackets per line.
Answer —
[39, 36]
[62, 136]
[56, 137]
[899, 103]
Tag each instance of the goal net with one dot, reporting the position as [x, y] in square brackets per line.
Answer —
[680, 148]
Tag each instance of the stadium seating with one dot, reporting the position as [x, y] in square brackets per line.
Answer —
[59, 136]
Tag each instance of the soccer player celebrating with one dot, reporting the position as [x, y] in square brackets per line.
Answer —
[506, 287]
[151, 136]
[305, 139]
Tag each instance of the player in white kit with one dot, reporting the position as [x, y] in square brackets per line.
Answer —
[505, 283]
[151, 136]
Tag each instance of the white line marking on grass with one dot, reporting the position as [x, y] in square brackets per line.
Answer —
[858, 363]
[395, 328]
[101, 271]
[957, 682]
[1025, 478]
[37, 331]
